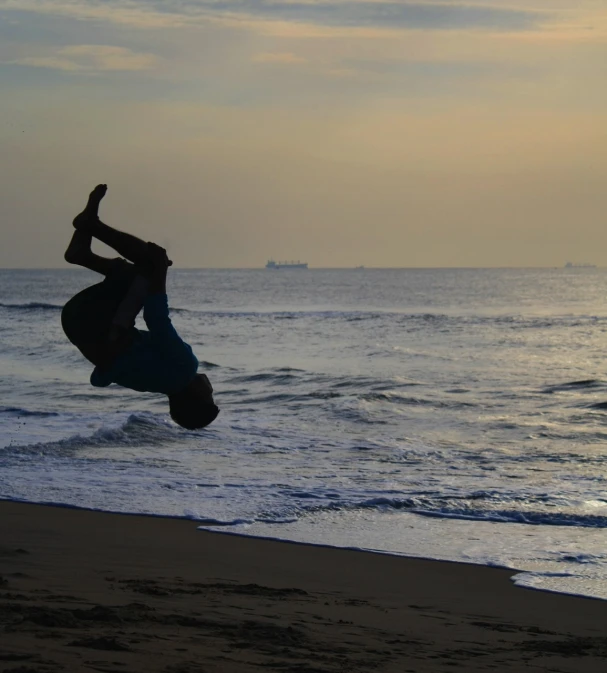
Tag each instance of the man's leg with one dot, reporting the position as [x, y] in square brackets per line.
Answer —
[79, 250]
[126, 245]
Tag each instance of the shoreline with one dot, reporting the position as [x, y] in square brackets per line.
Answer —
[213, 527]
[82, 590]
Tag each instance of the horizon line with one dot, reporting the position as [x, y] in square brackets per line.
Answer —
[319, 268]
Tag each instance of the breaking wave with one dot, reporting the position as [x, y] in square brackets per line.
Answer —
[138, 430]
[470, 508]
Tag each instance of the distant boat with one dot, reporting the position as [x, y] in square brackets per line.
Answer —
[359, 268]
[571, 265]
[286, 265]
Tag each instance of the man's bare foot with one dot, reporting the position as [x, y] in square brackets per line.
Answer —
[91, 210]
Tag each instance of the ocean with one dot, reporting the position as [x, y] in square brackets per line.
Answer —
[456, 414]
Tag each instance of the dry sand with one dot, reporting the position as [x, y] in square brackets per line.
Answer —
[85, 591]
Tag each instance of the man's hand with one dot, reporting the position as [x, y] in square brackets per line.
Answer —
[159, 262]
[158, 256]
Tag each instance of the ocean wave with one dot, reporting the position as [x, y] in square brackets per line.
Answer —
[279, 378]
[517, 516]
[351, 381]
[204, 364]
[219, 522]
[470, 508]
[585, 384]
[276, 397]
[362, 416]
[226, 523]
[396, 398]
[350, 398]
[340, 314]
[138, 430]
[17, 411]
[348, 315]
[513, 321]
[582, 558]
[32, 306]
[319, 395]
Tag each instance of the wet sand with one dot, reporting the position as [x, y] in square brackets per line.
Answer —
[86, 591]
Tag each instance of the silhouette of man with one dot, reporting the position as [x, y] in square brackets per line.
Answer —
[100, 320]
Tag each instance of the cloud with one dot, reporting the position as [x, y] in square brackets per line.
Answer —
[387, 14]
[532, 21]
[91, 58]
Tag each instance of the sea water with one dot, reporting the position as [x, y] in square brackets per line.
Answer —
[451, 414]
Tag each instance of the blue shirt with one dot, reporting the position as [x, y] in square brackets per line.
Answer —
[158, 361]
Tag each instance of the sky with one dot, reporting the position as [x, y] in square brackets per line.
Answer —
[430, 133]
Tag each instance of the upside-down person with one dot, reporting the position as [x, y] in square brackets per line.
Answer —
[100, 321]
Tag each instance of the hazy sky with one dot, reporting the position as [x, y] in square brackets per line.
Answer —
[339, 132]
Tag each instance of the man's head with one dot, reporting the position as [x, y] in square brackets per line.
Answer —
[193, 407]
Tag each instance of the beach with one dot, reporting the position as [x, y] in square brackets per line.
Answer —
[92, 591]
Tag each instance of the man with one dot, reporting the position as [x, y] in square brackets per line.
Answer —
[100, 321]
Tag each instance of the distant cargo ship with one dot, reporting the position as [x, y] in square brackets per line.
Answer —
[286, 265]
[573, 265]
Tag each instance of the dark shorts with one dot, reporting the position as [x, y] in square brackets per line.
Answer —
[87, 317]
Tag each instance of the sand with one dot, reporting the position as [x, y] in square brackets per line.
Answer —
[87, 591]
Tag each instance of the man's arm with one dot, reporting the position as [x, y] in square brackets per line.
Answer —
[156, 306]
[151, 280]
[120, 338]
[129, 307]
